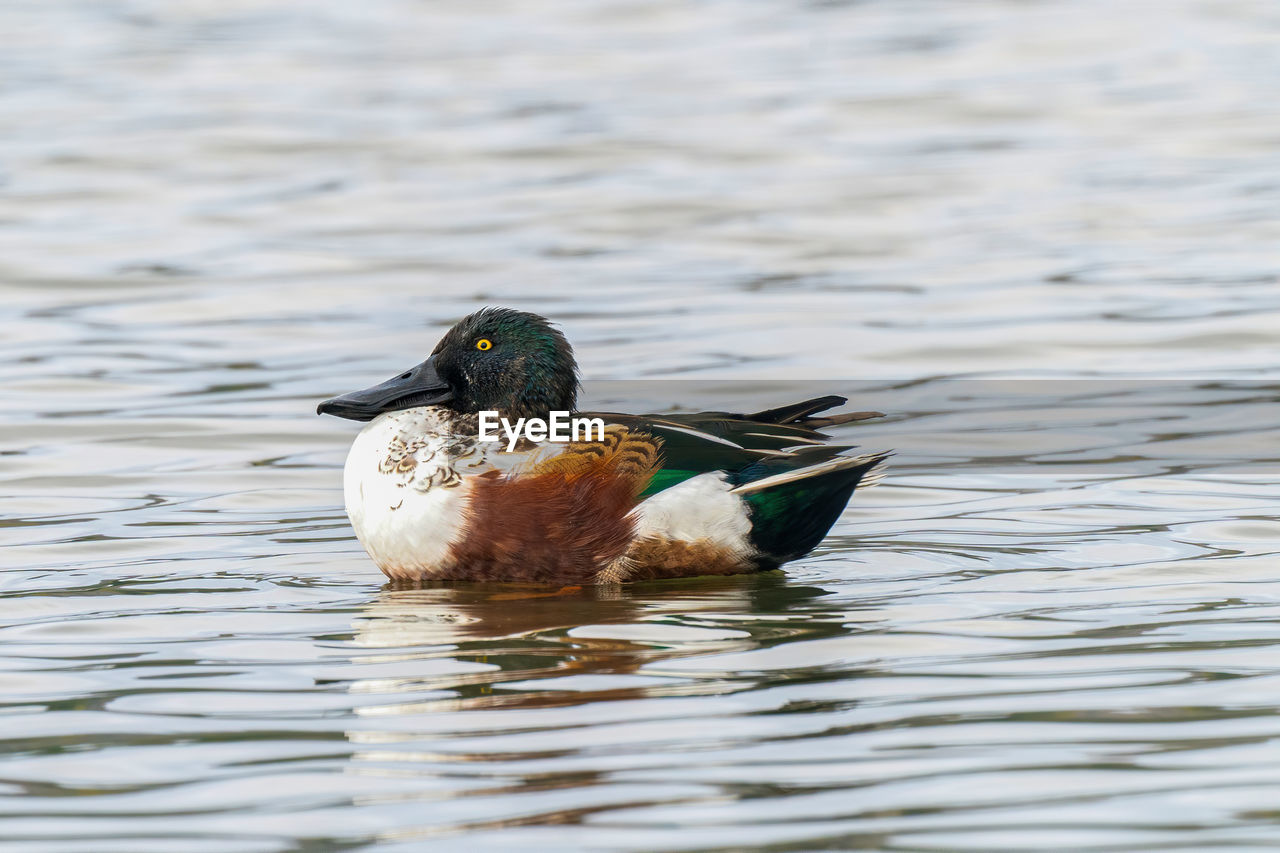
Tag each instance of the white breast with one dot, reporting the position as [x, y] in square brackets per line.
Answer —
[406, 485]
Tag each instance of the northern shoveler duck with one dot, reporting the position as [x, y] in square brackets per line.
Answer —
[654, 496]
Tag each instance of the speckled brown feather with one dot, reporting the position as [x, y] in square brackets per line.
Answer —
[655, 559]
[630, 454]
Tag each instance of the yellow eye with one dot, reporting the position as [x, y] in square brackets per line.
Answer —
[483, 344]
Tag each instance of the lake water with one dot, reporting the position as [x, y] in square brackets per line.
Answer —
[1041, 236]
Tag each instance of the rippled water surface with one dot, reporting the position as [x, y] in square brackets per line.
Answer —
[1055, 626]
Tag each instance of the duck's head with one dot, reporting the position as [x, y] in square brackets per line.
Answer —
[496, 359]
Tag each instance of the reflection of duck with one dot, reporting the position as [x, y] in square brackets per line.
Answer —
[443, 612]
[643, 497]
[494, 705]
[524, 633]
[446, 612]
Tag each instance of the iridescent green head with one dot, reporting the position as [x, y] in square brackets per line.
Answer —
[498, 359]
[508, 360]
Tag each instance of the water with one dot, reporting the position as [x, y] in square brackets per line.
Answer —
[1055, 626]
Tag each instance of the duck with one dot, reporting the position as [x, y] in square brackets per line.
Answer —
[433, 497]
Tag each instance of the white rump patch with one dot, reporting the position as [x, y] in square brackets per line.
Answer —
[700, 508]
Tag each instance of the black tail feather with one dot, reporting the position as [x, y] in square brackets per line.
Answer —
[799, 413]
